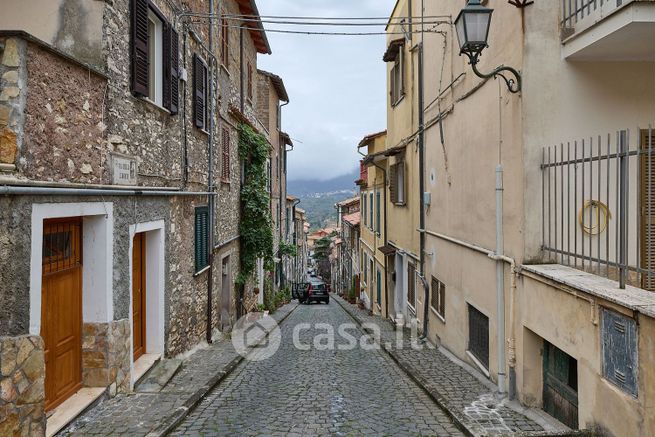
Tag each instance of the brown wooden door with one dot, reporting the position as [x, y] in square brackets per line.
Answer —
[139, 295]
[61, 309]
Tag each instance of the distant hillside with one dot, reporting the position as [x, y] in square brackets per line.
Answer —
[301, 188]
[319, 197]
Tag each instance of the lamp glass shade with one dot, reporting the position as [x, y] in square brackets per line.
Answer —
[472, 26]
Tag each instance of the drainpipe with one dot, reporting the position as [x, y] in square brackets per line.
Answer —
[500, 279]
[210, 177]
[421, 165]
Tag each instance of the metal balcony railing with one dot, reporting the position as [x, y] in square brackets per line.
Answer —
[598, 205]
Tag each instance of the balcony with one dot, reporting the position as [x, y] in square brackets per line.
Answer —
[598, 206]
[608, 30]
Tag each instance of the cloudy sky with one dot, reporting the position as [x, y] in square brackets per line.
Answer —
[336, 84]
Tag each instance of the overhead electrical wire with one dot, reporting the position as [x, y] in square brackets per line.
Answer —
[309, 32]
[290, 17]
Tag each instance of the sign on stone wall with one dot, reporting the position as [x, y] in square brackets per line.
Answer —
[123, 169]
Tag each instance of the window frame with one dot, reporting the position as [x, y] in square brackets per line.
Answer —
[225, 43]
[440, 309]
[397, 78]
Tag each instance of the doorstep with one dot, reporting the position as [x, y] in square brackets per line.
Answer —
[142, 365]
[72, 408]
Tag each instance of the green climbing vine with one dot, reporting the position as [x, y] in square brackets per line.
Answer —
[256, 222]
[288, 249]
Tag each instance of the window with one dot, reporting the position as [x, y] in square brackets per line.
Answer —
[155, 57]
[200, 115]
[225, 162]
[438, 297]
[377, 212]
[225, 42]
[371, 206]
[379, 287]
[201, 237]
[250, 82]
[364, 200]
[397, 78]
[479, 335]
[619, 343]
[411, 285]
[397, 183]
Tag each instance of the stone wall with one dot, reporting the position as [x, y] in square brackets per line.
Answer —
[12, 100]
[106, 355]
[63, 121]
[22, 390]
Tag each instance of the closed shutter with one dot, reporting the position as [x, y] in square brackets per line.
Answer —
[225, 43]
[249, 81]
[199, 91]
[139, 42]
[175, 71]
[647, 191]
[377, 212]
[166, 67]
[393, 183]
[226, 155]
[201, 237]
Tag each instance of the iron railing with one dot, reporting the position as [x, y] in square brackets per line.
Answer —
[574, 11]
[598, 206]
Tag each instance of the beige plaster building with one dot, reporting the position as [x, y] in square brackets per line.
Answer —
[572, 153]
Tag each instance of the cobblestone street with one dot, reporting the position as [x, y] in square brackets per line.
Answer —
[318, 392]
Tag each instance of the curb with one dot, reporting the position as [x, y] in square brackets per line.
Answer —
[434, 395]
[178, 415]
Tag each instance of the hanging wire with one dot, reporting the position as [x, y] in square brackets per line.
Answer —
[412, 20]
[309, 32]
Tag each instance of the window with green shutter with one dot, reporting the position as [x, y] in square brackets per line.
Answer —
[201, 237]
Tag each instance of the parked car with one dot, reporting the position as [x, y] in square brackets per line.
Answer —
[317, 291]
[298, 290]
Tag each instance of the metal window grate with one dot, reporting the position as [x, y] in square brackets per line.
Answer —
[62, 248]
[598, 201]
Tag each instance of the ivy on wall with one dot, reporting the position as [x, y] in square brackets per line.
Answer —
[256, 222]
[288, 249]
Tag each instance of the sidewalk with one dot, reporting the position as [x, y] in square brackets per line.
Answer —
[471, 400]
[155, 414]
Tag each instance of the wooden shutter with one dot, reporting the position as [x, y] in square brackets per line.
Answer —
[140, 66]
[226, 155]
[249, 80]
[201, 237]
[225, 43]
[647, 193]
[393, 183]
[175, 71]
[199, 81]
[166, 66]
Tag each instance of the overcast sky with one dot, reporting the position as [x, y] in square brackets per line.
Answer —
[336, 84]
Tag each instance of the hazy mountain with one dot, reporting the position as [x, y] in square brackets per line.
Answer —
[319, 197]
[301, 188]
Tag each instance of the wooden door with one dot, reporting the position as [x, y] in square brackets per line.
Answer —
[61, 309]
[560, 391]
[139, 295]
[647, 203]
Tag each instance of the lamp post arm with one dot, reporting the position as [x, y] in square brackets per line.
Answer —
[514, 85]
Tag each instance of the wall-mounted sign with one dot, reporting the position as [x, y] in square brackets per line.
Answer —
[123, 170]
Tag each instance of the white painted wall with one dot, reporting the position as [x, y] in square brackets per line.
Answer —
[97, 266]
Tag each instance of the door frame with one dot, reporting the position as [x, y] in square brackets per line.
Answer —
[155, 287]
[97, 269]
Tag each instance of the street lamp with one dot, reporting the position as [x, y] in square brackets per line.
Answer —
[472, 26]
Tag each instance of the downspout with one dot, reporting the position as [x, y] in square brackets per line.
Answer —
[421, 165]
[210, 177]
[242, 107]
[500, 251]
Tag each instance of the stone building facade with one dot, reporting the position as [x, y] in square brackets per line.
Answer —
[112, 172]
